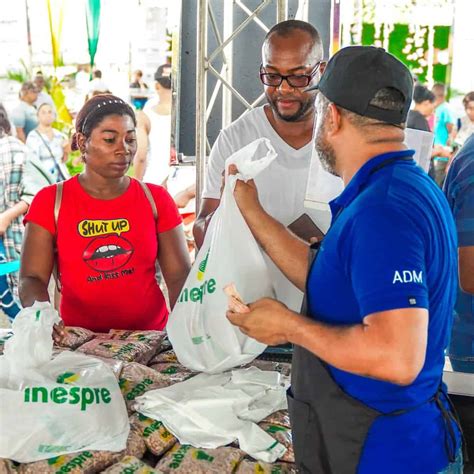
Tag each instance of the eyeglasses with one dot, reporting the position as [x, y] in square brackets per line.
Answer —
[298, 81]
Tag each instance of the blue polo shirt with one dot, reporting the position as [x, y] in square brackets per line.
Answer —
[459, 190]
[392, 244]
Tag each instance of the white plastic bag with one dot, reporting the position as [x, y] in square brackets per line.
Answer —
[55, 406]
[209, 411]
[202, 337]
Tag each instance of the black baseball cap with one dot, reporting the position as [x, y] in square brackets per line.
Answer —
[163, 72]
[355, 74]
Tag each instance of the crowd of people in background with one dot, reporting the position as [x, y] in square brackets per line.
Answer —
[118, 140]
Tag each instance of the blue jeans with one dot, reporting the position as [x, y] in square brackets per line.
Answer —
[455, 467]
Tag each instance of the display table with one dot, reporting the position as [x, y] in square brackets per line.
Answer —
[459, 383]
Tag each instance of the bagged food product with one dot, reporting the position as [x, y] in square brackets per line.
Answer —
[188, 460]
[173, 372]
[136, 379]
[283, 436]
[156, 339]
[280, 418]
[130, 465]
[55, 405]
[157, 438]
[202, 337]
[86, 462]
[128, 351]
[283, 367]
[7, 467]
[143, 336]
[114, 364]
[168, 357]
[76, 336]
[258, 467]
[135, 445]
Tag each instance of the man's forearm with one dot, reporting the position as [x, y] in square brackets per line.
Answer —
[200, 229]
[289, 253]
[355, 348]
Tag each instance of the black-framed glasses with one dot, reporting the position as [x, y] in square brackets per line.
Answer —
[298, 81]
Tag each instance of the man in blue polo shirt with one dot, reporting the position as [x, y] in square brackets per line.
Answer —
[366, 392]
[459, 189]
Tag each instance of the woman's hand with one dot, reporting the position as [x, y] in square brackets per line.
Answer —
[59, 333]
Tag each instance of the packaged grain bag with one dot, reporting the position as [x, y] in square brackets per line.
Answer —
[76, 336]
[157, 438]
[185, 459]
[283, 436]
[85, 462]
[130, 465]
[167, 357]
[156, 339]
[173, 372]
[258, 467]
[279, 418]
[136, 379]
[128, 351]
[7, 467]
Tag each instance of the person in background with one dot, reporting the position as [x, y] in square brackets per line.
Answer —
[97, 85]
[24, 114]
[424, 106]
[49, 145]
[138, 90]
[152, 161]
[43, 96]
[466, 123]
[459, 190]
[443, 133]
[108, 237]
[137, 82]
[14, 201]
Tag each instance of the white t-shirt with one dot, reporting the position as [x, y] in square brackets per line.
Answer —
[159, 148]
[281, 187]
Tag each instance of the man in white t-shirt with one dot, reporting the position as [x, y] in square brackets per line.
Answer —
[292, 59]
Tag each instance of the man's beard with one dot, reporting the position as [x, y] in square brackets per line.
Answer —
[300, 113]
[325, 151]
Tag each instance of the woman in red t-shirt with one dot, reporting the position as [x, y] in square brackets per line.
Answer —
[107, 236]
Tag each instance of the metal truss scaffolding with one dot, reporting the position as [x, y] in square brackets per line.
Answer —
[223, 53]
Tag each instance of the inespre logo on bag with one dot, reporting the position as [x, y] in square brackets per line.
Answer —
[197, 293]
[81, 396]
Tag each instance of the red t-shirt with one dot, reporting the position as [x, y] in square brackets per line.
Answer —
[107, 251]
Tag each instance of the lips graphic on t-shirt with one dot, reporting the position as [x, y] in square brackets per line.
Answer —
[107, 253]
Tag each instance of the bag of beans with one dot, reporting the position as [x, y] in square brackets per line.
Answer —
[75, 337]
[258, 467]
[283, 436]
[157, 438]
[128, 351]
[130, 465]
[185, 459]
